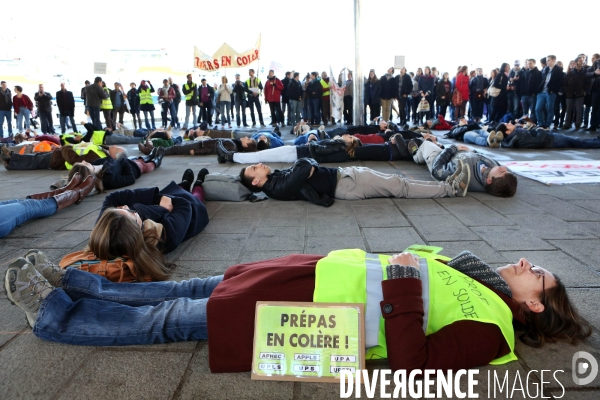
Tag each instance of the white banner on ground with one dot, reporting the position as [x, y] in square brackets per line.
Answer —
[337, 97]
[557, 172]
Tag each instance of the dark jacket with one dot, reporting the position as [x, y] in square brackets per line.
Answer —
[44, 102]
[294, 90]
[188, 218]
[440, 90]
[405, 85]
[211, 94]
[458, 131]
[531, 85]
[575, 83]
[555, 84]
[314, 89]
[134, 101]
[500, 82]
[516, 84]
[5, 101]
[113, 96]
[594, 79]
[376, 99]
[65, 103]
[284, 93]
[193, 89]
[239, 91]
[477, 85]
[389, 87]
[94, 95]
[427, 84]
[523, 139]
[118, 173]
[294, 183]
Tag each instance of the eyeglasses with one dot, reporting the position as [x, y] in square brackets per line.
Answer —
[538, 271]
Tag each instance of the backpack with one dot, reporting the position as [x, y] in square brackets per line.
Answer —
[118, 270]
[221, 187]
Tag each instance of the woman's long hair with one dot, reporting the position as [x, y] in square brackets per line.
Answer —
[559, 320]
[116, 235]
[350, 148]
[374, 78]
[84, 171]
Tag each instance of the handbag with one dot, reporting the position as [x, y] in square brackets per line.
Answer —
[423, 106]
[493, 91]
[457, 98]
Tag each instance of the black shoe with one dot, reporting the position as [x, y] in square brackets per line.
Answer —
[246, 126]
[160, 153]
[201, 176]
[222, 154]
[591, 129]
[277, 131]
[187, 179]
[412, 147]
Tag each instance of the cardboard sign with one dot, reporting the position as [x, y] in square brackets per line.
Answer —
[100, 68]
[310, 342]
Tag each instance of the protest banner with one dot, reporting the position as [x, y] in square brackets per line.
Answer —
[226, 57]
[309, 342]
[337, 98]
[557, 172]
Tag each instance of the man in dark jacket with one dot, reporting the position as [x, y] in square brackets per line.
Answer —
[315, 94]
[405, 87]
[514, 89]
[94, 94]
[550, 85]
[239, 91]
[306, 180]
[593, 75]
[516, 136]
[206, 93]
[44, 104]
[285, 97]
[5, 109]
[389, 91]
[530, 87]
[117, 98]
[478, 87]
[66, 107]
[294, 92]
[82, 95]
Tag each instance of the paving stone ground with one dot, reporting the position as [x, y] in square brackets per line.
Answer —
[554, 226]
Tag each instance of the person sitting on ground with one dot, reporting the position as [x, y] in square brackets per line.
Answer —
[221, 309]
[487, 174]
[306, 180]
[336, 150]
[519, 137]
[17, 212]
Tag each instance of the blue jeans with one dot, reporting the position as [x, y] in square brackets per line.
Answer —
[315, 114]
[95, 116]
[91, 310]
[17, 212]
[168, 107]
[146, 119]
[513, 103]
[25, 114]
[240, 104]
[564, 141]
[478, 137]
[8, 116]
[63, 119]
[225, 111]
[544, 109]
[528, 103]
[294, 113]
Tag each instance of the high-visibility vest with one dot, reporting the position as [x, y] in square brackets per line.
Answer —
[98, 137]
[83, 148]
[42, 147]
[190, 94]
[353, 276]
[325, 87]
[256, 80]
[106, 103]
[65, 136]
[145, 96]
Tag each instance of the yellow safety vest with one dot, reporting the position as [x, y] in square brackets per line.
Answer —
[65, 136]
[256, 80]
[190, 94]
[98, 137]
[145, 96]
[353, 276]
[325, 87]
[83, 148]
[106, 103]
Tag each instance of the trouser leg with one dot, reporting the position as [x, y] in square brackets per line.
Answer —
[30, 161]
[426, 154]
[286, 154]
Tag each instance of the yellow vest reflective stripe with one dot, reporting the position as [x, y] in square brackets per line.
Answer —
[66, 136]
[98, 137]
[325, 87]
[353, 276]
[256, 80]
[190, 94]
[106, 103]
[145, 96]
[83, 148]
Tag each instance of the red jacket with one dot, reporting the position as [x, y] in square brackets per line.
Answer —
[273, 90]
[22, 102]
[230, 309]
[369, 139]
[462, 84]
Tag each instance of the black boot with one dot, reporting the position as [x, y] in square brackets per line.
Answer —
[151, 156]
[158, 156]
[201, 176]
[223, 155]
[186, 180]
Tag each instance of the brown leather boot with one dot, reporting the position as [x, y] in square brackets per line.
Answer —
[74, 182]
[76, 195]
[84, 188]
[142, 147]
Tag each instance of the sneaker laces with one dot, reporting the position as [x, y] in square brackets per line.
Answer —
[37, 285]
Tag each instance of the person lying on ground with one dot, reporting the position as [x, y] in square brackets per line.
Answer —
[519, 137]
[306, 180]
[59, 303]
[487, 174]
[204, 147]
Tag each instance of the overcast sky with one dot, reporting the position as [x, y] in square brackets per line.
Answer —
[305, 36]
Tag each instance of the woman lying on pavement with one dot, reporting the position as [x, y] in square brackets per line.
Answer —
[17, 212]
[519, 137]
[207, 146]
[60, 303]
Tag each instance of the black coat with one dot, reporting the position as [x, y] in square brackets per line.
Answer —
[389, 87]
[44, 101]
[314, 89]
[556, 79]
[284, 93]
[575, 83]
[476, 87]
[118, 173]
[134, 101]
[500, 82]
[594, 79]
[523, 139]
[295, 90]
[376, 99]
[440, 90]
[113, 96]
[188, 218]
[65, 103]
[405, 85]
[531, 84]
[458, 131]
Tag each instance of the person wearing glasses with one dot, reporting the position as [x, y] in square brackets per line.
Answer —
[469, 307]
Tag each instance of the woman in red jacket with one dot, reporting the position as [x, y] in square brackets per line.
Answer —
[60, 303]
[272, 91]
[462, 85]
[23, 107]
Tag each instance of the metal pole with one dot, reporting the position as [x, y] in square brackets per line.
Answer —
[357, 76]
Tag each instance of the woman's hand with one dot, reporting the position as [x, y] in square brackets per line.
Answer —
[166, 203]
[406, 259]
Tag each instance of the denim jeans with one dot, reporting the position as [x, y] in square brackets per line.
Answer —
[17, 212]
[314, 111]
[544, 109]
[478, 137]
[63, 119]
[225, 111]
[564, 141]
[168, 107]
[146, 119]
[529, 103]
[25, 114]
[91, 310]
[294, 113]
[95, 116]
[240, 104]
[8, 116]
[187, 115]
[513, 103]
